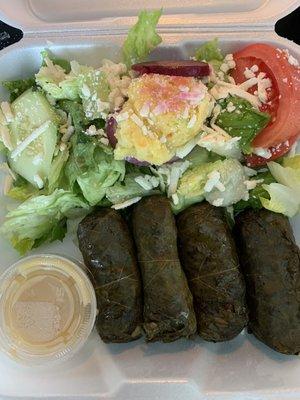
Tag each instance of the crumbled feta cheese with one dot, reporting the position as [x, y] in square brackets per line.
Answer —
[85, 90]
[221, 90]
[104, 141]
[173, 173]
[213, 179]
[220, 142]
[250, 172]
[260, 151]
[62, 146]
[230, 107]
[118, 82]
[137, 120]
[192, 122]
[227, 65]
[147, 182]
[254, 68]
[251, 184]
[163, 139]
[122, 117]
[175, 199]
[246, 196]
[248, 73]
[126, 203]
[184, 89]
[218, 202]
[91, 131]
[144, 111]
[185, 113]
[292, 60]
[39, 181]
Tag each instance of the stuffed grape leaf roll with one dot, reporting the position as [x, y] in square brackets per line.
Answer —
[108, 251]
[209, 259]
[270, 261]
[168, 304]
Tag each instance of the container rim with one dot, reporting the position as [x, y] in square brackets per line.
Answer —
[25, 15]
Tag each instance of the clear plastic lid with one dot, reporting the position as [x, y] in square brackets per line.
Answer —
[48, 309]
[117, 15]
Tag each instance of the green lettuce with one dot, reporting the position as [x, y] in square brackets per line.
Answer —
[17, 87]
[282, 200]
[94, 90]
[142, 38]
[56, 174]
[22, 190]
[256, 194]
[244, 122]
[55, 78]
[284, 196]
[193, 187]
[64, 64]
[79, 120]
[211, 53]
[129, 188]
[40, 219]
[91, 169]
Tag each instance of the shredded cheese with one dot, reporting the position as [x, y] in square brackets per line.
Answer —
[126, 203]
[33, 136]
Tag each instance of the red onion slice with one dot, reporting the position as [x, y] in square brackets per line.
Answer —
[137, 162]
[111, 127]
[190, 68]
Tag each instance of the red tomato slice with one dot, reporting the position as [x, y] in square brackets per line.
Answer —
[281, 149]
[284, 96]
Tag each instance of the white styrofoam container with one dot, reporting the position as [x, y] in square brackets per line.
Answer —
[187, 370]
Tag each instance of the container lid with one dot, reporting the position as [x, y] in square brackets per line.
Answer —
[115, 16]
[47, 309]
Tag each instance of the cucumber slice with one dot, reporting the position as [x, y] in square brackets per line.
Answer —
[34, 130]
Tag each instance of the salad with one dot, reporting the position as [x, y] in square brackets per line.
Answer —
[218, 127]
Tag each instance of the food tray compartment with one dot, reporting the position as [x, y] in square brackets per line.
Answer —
[191, 370]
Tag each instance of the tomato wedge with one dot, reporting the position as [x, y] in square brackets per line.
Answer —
[283, 98]
[281, 149]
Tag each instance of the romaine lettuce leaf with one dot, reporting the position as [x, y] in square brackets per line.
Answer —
[79, 120]
[284, 196]
[93, 90]
[92, 169]
[287, 175]
[142, 38]
[40, 219]
[282, 199]
[22, 190]
[65, 64]
[256, 194]
[17, 87]
[211, 53]
[244, 121]
[56, 173]
[55, 78]
[130, 188]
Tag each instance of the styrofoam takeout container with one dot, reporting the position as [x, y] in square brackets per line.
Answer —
[187, 370]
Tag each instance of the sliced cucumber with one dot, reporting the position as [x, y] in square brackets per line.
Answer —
[32, 158]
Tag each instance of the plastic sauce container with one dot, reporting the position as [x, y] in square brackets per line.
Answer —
[48, 309]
